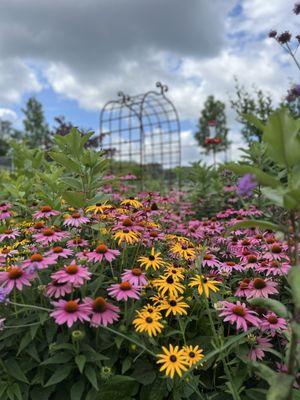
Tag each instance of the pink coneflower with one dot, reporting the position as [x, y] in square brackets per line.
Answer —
[58, 289]
[273, 324]
[77, 242]
[9, 234]
[124, 291]
[257, 351]
[250, 261]
[275, 268]
[69, 312]
[262, 287]
[229, 266]
[58, 251]
[5, 206]
[134, 276]
[276, 252]
[76, 219]
[45, 212]
[102, 312]
[243, 289]
[37, 261]
[5, 214]
[209, 260]
[127, 223]
[149, 237]
[102, 251]
[49, 235]
[15, 276]
[238, 313]
[73, 274]
[6, 252]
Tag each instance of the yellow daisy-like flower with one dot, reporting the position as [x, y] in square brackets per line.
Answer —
[192, 354]
[99, 208]
[152, 261]
[157, 299]
[174, 305]
[168, 285]
[175, 271]
[205, 284]
[131, 202]
[183, 250]
[125, 235]
[173, 361]
[149, 308]
[148, 322]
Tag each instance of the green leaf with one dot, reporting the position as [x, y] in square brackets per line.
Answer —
[65, 161]
[270, 304]
[91, 375]
[72, 182]
[144, 372]
[265, 372]
[59, 358]
[281, 134]
[77, 390]
[252, 119]
[80, 361]
[294, 281]
[253, 223]
[16, 391]
[59, 375]
[14, 369]
[280, 387]
[74, 199]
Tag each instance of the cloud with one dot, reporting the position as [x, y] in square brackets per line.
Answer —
[7, 114]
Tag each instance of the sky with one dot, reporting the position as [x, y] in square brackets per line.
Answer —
[74, 56]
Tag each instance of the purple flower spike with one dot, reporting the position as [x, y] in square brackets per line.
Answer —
[245, 185]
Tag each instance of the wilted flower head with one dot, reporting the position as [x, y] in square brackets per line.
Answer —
[272, 33]
[284, 37]
[296, 8]
[245, 185]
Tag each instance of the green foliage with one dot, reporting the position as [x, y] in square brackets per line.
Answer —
[258, 104]
[214, 110]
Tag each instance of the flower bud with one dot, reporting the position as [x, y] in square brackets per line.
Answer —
[78, 335]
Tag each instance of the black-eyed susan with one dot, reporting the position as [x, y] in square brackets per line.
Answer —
[192, 354]
[131, 201]
[174, 305]
[152, 261]
[175, 271]
[184, 250]
[204, 284]
[125, 235]
[173, 361]
[148, 322]
[149, 308]
[168, 285]
[99, 208]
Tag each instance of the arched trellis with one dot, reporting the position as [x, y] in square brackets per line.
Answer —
[144, 129]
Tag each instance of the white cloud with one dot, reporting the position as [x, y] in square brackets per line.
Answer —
[8, 114]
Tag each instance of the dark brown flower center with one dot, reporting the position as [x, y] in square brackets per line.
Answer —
[101, 249]
[57, 249]
[72, 269]
[259, 283]
[272, 319]
[230, 263]
[246, 242]
[15, 272]
[173, 358]
[276, 248]
[207, 257]
[77, 240]
[48, 232]
[170, 280]
[76, 215]
[45, 209]
[239, 310]
[58, 284]
[136, 271]
[149, 320]
[192, 354]
[8, 231]
[153, 234]
[151, 258]
[39, 225]
[99, 305]
[71, 306]
[36, 257]
[173, 303]
[125, 285]
[251, 259]
[127, 222]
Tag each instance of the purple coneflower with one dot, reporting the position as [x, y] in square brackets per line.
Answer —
[102, 312]
[124, 291]
[273, 323]
[77, 242]
[73, 274]
[69, 312]
[262, 287]
[102, 251]
[49, 235]
[15, 276]
[9, 234]
[58, 289]
[134, 276]
[238, 314]
[258, 349]
[76, 219]
[58, 251]
[37, 261]
[45, 212]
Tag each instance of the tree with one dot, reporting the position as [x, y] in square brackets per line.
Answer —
[256, 103]
[214, 110]
[35, 126]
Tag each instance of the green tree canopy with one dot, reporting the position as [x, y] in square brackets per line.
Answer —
[35, 126]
